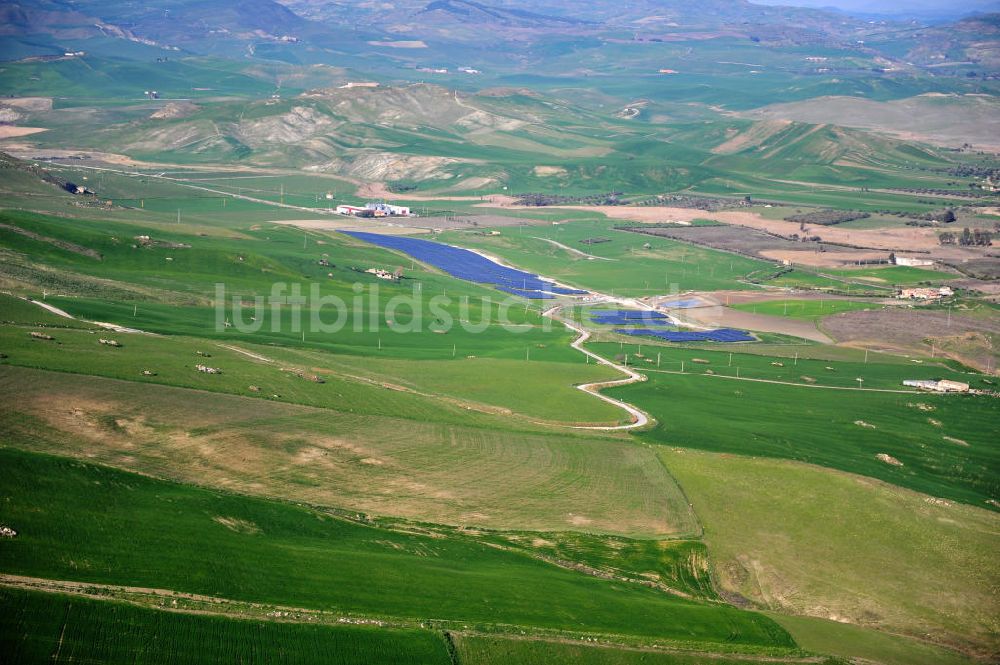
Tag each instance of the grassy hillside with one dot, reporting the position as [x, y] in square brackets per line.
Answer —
[481, 471]
[41, 627]
[174, 536]
[935, 444]
[796, 538]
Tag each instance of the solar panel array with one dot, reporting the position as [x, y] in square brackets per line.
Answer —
[463, 264]
[533, 295]
[719, 335]
[624, 317]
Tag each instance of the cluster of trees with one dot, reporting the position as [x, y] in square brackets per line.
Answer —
[967, 238]
[538, 199]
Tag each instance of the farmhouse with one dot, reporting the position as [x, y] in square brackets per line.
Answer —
[374, 209]
[910, 261]
[942, 386]
[383, 274]
[925, 294]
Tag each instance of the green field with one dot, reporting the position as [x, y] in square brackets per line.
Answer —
[799, 539]
[943, 442]
[481, 472]
[42, 627]
[159, 534]
[489, 650]
[850, 641]
[812, 310]
[405, 470]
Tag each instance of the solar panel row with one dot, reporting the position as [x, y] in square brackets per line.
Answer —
[463, 264]
[719, 335]
[533, 295]
[629, 313]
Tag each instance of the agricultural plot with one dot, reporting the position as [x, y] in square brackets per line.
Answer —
[484, 470]
[44, 627]
[200, 541]
[939, 445]
[329, 380]
[804, 540]
[810, 310]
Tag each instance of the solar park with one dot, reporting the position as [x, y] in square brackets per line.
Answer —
[464, 264]
[719, 335]
[624, 317]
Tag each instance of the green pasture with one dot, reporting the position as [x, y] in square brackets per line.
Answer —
[53, 628]
[89, 523]
[486, 470]
[810, 310]
[498, 650]
[539, 387]
[801, 366]
[851, 641]
[799, 539]
[944, 443]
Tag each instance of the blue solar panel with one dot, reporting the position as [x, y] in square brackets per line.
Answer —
[534, 295]
[719, 335]
[637, 314]
[463, 264]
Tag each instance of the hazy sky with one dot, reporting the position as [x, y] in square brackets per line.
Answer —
[893, 6]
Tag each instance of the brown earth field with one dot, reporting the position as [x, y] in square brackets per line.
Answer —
[725, 317]
[972, 341]
[10, 131]
[763, 244]
[889, 239]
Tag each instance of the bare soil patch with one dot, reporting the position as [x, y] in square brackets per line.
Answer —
[907, 238]
[10, 131]
[969, 340]
[763, 244]
[725, 317]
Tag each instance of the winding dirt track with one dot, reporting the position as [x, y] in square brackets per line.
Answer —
[640, 419]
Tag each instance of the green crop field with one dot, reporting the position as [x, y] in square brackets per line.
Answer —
[811, 310]
[489, 650]
[851, 641]
[206, 542]
[231, 431]
[41, 627]
[479, 472]
[940, 445]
